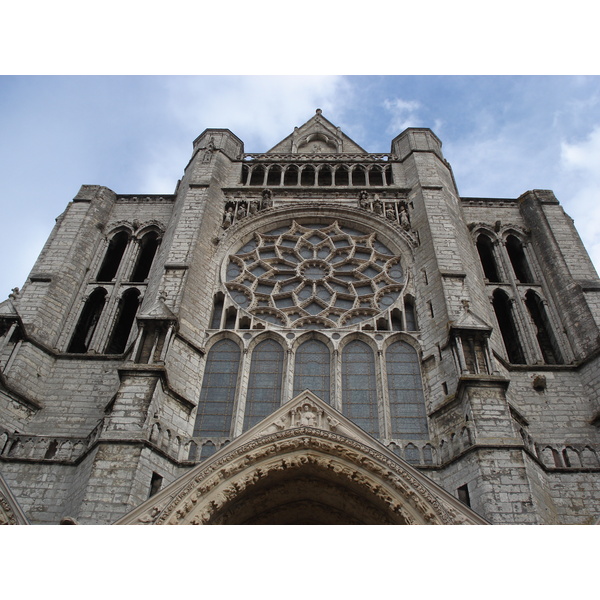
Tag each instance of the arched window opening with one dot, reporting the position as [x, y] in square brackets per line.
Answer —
[312, 369]
[126, 312]
[258, 176]
[245, 172]
[359, 387]
[291, 176]
[375, 176]
[389, 179]
[307, 176]
[274, 176]
[504, 315]
[245, 323]
[485, 247]
[411, 454]
[411, 317]
[217, 312]
[405, 389]
[113, 256]
[264, 382]
[383, 324]
[514, 247]
[341, 176]
[324, 176]
[396, 319]
[544, 333]
[90, 315]
[358, 176]
[217, 397]
[208, 449]
[148, 247]
[230, 317]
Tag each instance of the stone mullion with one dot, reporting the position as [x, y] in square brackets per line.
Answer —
[287, 385]
[524, 323]
[383, 399]
[242, 390]
[337, 380]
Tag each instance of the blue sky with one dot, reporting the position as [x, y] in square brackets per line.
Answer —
[503, 135]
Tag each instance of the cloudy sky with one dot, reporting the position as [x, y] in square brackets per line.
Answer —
[503, 135]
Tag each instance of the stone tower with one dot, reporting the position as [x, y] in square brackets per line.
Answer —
[315, 334]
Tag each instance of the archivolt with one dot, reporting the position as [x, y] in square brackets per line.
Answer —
[376, 489]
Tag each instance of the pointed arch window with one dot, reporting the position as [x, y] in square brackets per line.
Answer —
[312, 369]
[485, 247]
[90, 315]
[291, 175]
[516, 253]
[504, 315]
[148, 247]
[359, 386]
[544, 333]
[126, 312]
[112, 258]
[217, 397]
[264, 383]
[405, 390]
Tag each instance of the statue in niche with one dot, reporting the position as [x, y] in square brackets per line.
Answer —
[228, 218]
[404, 219]
[210, 148]
[308, 417]
[377, 207]
[241, 212]
[267, 199]
[390, 213]
[363, 199]
[252, 207]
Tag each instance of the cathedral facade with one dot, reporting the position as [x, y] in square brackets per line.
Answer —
[312, 335]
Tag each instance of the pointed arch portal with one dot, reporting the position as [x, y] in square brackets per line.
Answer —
[306, 464]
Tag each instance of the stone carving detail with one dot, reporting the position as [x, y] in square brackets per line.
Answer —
[239, 208]
[7, 516]
[224, 479]
[395, 211]
[311, 273]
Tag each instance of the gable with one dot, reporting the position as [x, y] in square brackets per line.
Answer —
[317, 136]
[306, 455]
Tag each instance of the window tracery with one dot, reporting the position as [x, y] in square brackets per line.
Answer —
[302, 274]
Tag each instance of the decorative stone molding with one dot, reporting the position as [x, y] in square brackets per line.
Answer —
[308, 440]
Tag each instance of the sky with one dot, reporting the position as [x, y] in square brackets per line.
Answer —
[503, 135]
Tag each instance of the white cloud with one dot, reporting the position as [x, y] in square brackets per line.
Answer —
[581, 164]
[403, 114]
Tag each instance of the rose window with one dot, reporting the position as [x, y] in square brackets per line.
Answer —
[314, 275]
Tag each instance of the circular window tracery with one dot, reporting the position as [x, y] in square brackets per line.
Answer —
[314, 274]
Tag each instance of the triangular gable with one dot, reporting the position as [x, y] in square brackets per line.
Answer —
[158, 311]
[469, 320]
[305, 429]
[317, 136]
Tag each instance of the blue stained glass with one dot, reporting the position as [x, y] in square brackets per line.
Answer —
[359, 386]
[215, 408]
[312, 370]
[405, 389]
[264, 382]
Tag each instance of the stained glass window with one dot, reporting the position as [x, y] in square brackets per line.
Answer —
[264, 383]
[405, 389]
[312, 370]
[215, 407]
[359, 386]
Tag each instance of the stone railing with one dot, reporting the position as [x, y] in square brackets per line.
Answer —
[318, 156]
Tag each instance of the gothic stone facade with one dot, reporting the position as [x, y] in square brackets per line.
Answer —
[315, 334]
